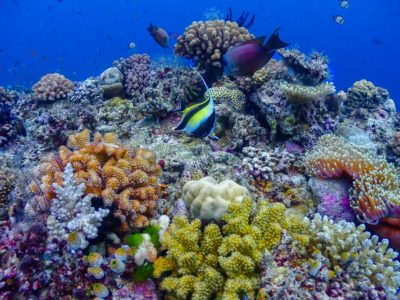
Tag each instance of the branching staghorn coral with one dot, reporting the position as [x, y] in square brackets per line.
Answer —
[351, 250]
[222, 264]
[109, 171]
[52, 87]
[375, 193]
[71, 211]
[302, 94]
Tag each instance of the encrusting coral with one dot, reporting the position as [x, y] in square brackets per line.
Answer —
[207, 42]
[109, 171]
[229, 94]
[52, 87]
[375, 193]
[222, 264]
[207, 199]
[298, 93]
[70, 212]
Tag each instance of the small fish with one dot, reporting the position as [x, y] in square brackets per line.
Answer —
[344, 4]
[117, 266]
[15, 2]
[159, 35]
[60, 1]
[247, 57]
[377, 41]
[50, 7]
[108, 37]
[96, 272]
[100, 290]
[132, 45]
[94, 259]
[199, 119]
[79, 13]
[1, 50]
[338, 19]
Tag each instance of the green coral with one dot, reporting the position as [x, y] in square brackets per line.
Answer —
[116, 110]
[225, 93]
[222, 264]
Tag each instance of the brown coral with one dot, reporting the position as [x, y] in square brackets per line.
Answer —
[207, 42]
[52, 87]
[109, 171]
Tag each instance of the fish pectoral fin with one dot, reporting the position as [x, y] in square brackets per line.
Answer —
[274, 42]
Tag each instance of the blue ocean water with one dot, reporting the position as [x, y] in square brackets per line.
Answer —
[82, 38]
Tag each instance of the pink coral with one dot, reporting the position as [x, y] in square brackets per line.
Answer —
[52, 87]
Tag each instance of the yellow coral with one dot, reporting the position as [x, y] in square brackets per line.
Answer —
[109, 171]
[224, 93]
[211, 264]
[375, 193]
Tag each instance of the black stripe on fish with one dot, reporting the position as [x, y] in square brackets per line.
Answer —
[205, 128]
[190, 114]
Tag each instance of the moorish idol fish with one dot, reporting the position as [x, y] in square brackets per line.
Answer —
[199, 119]
[249, 56]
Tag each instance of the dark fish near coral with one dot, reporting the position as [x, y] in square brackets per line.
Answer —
[344, 4]
[159, 35]
[338, 19]
[199, 119]
[247, 57]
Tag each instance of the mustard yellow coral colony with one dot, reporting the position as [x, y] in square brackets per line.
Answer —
[109, 171]
[211, 263]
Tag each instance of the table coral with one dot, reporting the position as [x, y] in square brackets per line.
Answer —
[109, 171]
[221, 264]
[52, 87]
[375, 190]
[207, 42]
[208, 199]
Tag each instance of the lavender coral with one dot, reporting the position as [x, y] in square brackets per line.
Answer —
[52, 87]
[136, 71]
[72, 212]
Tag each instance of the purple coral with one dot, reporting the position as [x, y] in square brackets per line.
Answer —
[333, 198]
[136, 70]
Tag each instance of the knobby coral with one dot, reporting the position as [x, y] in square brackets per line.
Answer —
[109, 171]
[52, 87]
[207, 42]
[298, 93]
[221, 264]
[375, 193]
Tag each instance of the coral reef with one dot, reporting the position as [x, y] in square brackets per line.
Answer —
[300, 94]
[215, 264]
[108, 171]
[116, 110]
[88, 92]
[230, 94]
[309, 70]
[52, 87]
[136, 71]
[207, 42]
[70, 212]
[208, 199]
[375, 189]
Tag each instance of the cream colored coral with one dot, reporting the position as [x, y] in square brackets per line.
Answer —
[207, 199]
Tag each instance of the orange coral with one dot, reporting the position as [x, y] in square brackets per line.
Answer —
[109, 171]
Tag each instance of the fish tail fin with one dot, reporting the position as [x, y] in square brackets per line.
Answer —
[150, 27]
[274, 42]
[181, 107]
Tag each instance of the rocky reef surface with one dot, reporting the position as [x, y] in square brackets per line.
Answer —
[100, 198]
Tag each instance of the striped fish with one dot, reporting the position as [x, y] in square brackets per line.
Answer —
[199, 119]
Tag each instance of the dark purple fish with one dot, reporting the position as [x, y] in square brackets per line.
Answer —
[159, 35]
[247, 57]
